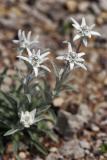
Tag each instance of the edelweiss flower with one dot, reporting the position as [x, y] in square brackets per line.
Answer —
[74, 59]
[36, 60]
[28, 118]
[24, 41]
[84, 31]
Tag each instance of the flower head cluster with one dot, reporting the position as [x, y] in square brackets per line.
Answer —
[84, 31]
[24, 41]
[36, 60]
[28, 118]
[74, 59]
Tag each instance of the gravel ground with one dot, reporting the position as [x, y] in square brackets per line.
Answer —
[85, 111]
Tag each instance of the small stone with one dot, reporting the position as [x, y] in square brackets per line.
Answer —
[68, 124]
[83, 6]
[95, 128]
[95, 8]
[11, 72]
[58, 102]
[8, 81]
[54, 156]
[6, 62]
[103, 4]
[5, 88]
[9, 148]
[104, 123]
[62, 125]
[102, 77]
[99, 20]
[79, 153]
[37, 158]
[102, 157]
[84, 113]
[22, 155]
[103, 16]
[101, 135]
[105, 155]
[71, 6]
[90, 19]
[84, 144]
[72, 149]
[105, 81]
[87, 152]
[53, 149]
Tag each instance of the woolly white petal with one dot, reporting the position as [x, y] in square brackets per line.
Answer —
[76, 37]
[92, 26]
[33, 113]
[38, 53]
[81, 65]
[83, 22]
[19, 33]
[89, 34]
[22, 116]
[33, 42]
[45, 54]
[29, 52]
[60, 57]
[76, 27]
[27, 113]
[16, 41]
[36, 71]
[71, 66]
[69, 46]
[24, 36]
[45, 68]
[85, 42]
[24, 58]
[95, 33]
[81, 54]
[29, 35]
[43, 60]
[80, 59]
[75, 22]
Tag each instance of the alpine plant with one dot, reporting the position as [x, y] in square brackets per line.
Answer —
[73, 58]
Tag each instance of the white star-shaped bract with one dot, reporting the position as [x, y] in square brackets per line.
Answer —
[83, 31]
[36, 60]
[28, 118]
[74, 59]
[24, 41]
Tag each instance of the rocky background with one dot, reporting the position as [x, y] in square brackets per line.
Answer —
[83, 133]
